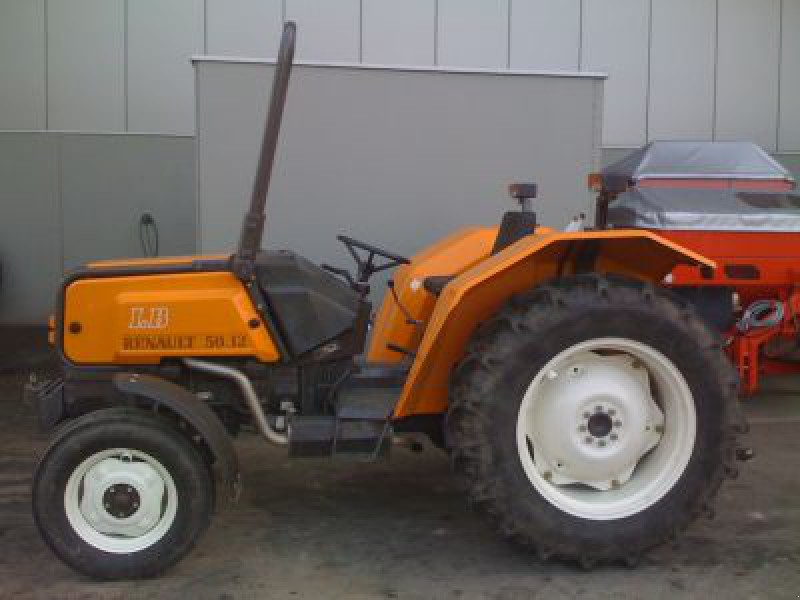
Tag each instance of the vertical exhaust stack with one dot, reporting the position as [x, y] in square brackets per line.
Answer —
[253, 225]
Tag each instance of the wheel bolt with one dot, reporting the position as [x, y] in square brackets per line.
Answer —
[617, 423]
[588, 439]
[598, 408]
[130, 489]
[601, 443]
[611, 412]
[614, 437]
[582, 428]
[107, 505]
[587, 414]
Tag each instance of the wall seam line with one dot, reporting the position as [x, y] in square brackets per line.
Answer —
[205, 26]
[508, 35]
[361, 31]
[780, 77]
[125, 63]
[649, 73]
[579, 66]
[46, 70]
[716, 72]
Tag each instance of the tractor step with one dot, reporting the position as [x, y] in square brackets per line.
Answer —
[360, 427]
[316, 436]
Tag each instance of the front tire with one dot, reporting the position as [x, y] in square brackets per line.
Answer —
[121, 494]
[592, 418]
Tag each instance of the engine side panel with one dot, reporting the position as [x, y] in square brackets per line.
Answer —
[142, 319]
[475, 295]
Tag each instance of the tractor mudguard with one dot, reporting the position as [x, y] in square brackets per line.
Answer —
[478, 292]
[183, 403]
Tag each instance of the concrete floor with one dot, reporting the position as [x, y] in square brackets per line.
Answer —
[400, 529]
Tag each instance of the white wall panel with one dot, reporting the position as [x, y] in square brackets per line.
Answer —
[327, 31]
[162, 37]
[682, 69]
[85, 74]
[473, 33]
[22, 64]
[789, 126]
[250, 28]
[398, 32]
[747, 71]
[545, 34]
[615, 41]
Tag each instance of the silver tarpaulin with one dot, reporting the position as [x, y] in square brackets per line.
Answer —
[705, 209]
[699, 160]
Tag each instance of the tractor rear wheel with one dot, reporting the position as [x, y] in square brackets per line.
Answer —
[592, 419]
[121, 494]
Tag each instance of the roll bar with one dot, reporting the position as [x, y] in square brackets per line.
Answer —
[253, 226]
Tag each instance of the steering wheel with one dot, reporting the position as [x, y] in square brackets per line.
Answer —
[366, 266]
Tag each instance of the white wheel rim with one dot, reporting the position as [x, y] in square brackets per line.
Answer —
[121, 500]
[606, 428]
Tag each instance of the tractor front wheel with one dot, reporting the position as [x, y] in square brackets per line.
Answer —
[592, 418]
[121, 494]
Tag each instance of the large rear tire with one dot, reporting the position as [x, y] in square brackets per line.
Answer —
[121, 494]
[593, 418]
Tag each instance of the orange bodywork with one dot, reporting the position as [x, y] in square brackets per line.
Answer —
[483, 286]
[142, 319]
[450, 256]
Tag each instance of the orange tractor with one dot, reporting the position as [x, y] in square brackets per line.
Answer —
[591, 411]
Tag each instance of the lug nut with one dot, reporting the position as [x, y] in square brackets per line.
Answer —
[614, 437]
[601, 443]
[617, 423]
[587, 414]
[611, 412]
[659, 429]
[598, 408]
[582, 428]
[588, 439]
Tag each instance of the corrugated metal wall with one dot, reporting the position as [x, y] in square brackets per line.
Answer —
[703, 69]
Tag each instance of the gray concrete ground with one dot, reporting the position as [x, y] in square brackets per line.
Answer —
[400, 529]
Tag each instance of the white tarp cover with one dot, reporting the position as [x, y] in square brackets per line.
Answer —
[705, 209]
[699, 160]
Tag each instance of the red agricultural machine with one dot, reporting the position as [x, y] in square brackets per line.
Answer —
[730, 202]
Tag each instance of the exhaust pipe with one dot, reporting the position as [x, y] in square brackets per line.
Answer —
[248, 393]
[253, 225]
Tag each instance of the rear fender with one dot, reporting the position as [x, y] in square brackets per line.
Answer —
[476, 294]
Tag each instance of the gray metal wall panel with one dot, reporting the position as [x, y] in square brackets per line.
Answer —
[22, 65]
[747, 71]
[789, 123]
[327, 31]
[243, 27]
[472, 33]
[545, 34]
[85, 57]
[398, 33]
[162, 37]
[109, 181]
[682, 46]
[616, 37]
[30, 230]
[396, 158]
